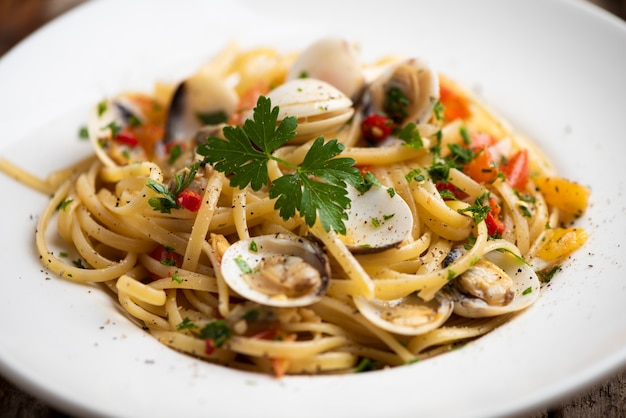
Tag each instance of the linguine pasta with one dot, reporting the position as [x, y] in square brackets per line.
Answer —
[153, 218]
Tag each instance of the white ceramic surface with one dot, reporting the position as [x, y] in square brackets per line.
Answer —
[555, 68]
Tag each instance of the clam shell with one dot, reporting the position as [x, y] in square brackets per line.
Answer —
[252, 251]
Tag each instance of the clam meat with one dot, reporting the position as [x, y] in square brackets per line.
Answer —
[281, 270]
[498, 284]
[409, 315]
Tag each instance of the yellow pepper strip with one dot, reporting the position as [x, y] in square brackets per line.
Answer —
[568, 196]
[560, 242]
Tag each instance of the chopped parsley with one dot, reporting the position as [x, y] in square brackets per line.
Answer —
[83, 132]
[217, 331]
[64, 204]
[365, 365]
[369, 180]
[415, 174]
[395, 104]
[315, 188]
[546, 276]
[175, 153]
[411, 136]
[186, 324]
[243, 265]
[212, 118]
[253, 246]
[102, 107]
[168, 202]
[176, 278]
[79, 263]
[478, 210]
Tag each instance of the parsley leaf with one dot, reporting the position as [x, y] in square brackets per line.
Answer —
[369, 180]
[478, 209]
[168, 202]
[316, 187]
[411, 136]
[248, 148]
[218, 331]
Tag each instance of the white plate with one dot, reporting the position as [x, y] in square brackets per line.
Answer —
[556, 69]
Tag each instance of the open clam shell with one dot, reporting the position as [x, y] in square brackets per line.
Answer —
[524, 289]
[406, 92]
[409, 315]
[105, 121]
[202, 99]
[280, 270]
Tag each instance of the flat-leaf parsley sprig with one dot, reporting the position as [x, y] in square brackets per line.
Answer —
[317, 187]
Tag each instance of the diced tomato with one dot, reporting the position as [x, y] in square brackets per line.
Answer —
[495, 227]
[458, 193]
[481, 168]
[152, 111]
[455, 106]
[189, 200]
[280, 366]
[267, 334]
[364, 169]
[148, 135]
[127, 138]
[376, 128]
[209, 346]
[161, 254]
[481, 140]
[165, 256]
[170, 145]
[516, 170]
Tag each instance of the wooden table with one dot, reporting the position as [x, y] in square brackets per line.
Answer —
[18, 18]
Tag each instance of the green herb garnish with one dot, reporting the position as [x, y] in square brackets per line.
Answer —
[316, 187]
[168, 202]
[411, 136]
[217, 331]
[186, 324]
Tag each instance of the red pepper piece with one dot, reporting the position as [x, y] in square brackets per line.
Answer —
[455, 106]
[458, 193]
[495, 227]
[516, 170]
[189, 200]
[376, 128]
[127, 138]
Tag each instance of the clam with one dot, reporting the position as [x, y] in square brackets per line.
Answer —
[377, 220]
[202, 99]
[106, 120]
[406, 92]
[282, 270]
[498, 284]
[321, 109]
[409, 315]
[334, 61]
